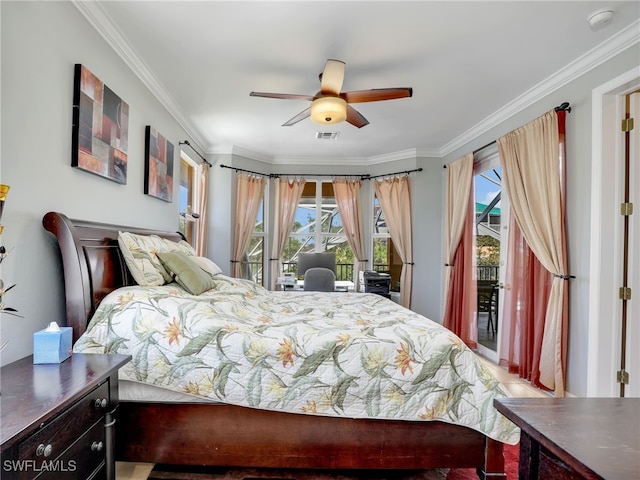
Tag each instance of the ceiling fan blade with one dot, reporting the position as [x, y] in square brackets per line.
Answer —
[299, 117]
[376, 94]
[332, 77]
[283, 96]
[355, 118]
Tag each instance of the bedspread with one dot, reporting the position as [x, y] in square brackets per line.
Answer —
[340, 354]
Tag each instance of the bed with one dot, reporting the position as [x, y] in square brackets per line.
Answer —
[238, 424]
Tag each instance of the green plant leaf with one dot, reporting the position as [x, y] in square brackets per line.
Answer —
[432, 365]
[311, 363]
[339, 392]
[197, 343]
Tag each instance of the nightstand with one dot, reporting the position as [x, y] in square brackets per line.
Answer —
[576, 438]
[58, 419]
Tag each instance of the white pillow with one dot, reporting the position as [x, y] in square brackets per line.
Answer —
[140, 254]
[180, 246]
[207, 265]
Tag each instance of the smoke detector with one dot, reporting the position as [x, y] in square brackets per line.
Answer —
[600, 18]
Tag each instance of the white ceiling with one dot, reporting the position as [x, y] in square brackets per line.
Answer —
[471, 64]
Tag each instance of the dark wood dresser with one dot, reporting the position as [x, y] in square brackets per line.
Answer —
[57, 419]
[576, 438]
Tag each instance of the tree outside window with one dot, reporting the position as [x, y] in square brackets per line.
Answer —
[253, 264]
[385, 256]
[318, 228]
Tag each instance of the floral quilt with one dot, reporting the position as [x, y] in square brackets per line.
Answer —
[339, 354]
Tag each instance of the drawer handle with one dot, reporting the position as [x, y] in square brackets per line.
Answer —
[44, 450]
[101, 403]
[97, 446]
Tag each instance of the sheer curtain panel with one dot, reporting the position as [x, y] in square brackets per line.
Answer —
[524, 308]
[395, 200]
[460, 305]
[287, 196]
[249, 193]
[533, 165]
[347, 193]
[202, 232]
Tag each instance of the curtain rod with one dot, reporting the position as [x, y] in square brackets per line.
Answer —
[371, 177]
[186, 142]
[247, 171]
[563, 106]
[278, 175]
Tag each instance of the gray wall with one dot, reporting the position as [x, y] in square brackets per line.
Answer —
[578, 93]
[41, 41]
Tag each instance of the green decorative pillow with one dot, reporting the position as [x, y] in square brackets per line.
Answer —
[140, 253]
[188, 275]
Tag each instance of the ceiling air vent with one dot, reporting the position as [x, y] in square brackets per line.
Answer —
[327, 135]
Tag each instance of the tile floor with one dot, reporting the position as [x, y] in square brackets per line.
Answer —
[133, 471]
[486, 335]
[516, 386]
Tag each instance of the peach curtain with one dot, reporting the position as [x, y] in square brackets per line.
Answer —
[395, 200]
[459, 177]
[347, 193]
[526, 295]
[202, 209]
[532, 159]
[287, 196]
[460, 304]
[249, 193]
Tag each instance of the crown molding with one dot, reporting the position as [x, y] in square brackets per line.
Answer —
[105, 26]
[222, 150]
[429, 152]
[239, 151]
[320, 161]
[614, 45]
[297, 160]
[601, 53]
[392, 157]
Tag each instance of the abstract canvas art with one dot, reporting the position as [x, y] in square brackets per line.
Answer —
[158, 166]
[100, 128]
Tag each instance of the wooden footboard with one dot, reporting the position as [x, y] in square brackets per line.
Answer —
[225, 435]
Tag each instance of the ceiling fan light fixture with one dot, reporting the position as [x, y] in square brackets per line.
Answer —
[328, 110]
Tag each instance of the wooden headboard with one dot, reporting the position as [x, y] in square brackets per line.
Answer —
[92, 263]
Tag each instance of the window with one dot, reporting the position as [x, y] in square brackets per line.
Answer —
[318, 228]
[187, 196]
[385, 256]
[254, 260]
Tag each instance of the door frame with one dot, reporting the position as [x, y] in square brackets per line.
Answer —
[603, 347]
[490, 158]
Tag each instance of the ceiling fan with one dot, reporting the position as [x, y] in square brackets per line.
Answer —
[330, 105]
